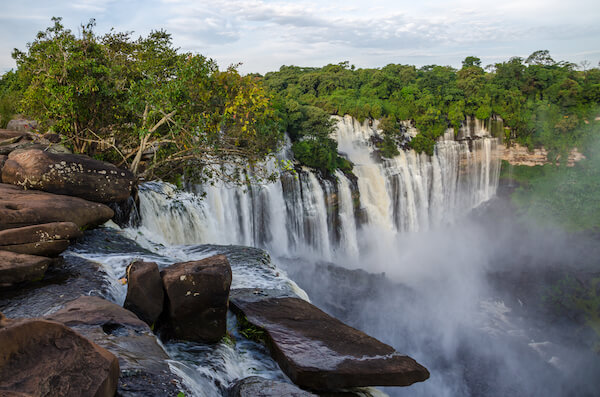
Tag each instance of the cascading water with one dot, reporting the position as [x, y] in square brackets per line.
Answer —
[306, 214]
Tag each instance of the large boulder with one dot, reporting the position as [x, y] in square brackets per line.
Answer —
[18, 268]
[319, 352]
[255, 386]
[49, 239]
[21, 124]
[20, 208]
[44, 358]
[145, 295]
[73, 175]
[197, 299]
[144, 368]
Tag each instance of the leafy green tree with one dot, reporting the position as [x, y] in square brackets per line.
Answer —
[122, 99]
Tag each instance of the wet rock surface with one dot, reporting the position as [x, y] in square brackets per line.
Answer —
[73, 175]
[144, 369]
[66, 279]
[255, 386]
[196, 299]
[20, 208]
[145, 295]
[41, 358]
[319, 352]
[18, 268]
[48, 239]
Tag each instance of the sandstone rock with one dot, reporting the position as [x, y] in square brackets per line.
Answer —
[39, 144]
[145, 295]
[73, 175]
[333, 355]
[3, 158]
[95, 311]
[5, 135]
[48, 239]
[197, 294]
[255, 386]
[517, 154]
[18, 268]
[20, 208]
[143, 362]
[22, 125]
[43, 358]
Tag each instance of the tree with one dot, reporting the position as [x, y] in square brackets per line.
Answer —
[540, 57]
[141, 97]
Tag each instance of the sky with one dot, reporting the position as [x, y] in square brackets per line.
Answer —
[265, 34]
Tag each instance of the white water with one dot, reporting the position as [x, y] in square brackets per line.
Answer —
[305, 214]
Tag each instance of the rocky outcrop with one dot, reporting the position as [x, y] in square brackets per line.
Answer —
[517, 154]
[196, 299]
[144, 370]
[20, 208]
[48, 239]
[145, 295]
[44, 358]
[319, 352]
[256, 386]
[18, 268]
[73, 175]
[22, 125]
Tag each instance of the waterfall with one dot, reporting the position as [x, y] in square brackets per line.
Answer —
[307, 214]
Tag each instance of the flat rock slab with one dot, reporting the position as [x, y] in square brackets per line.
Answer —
[20, 208]
[70, 174]
[18, 268]
[319, 352]
[44, 358]
[49, 239]
[143, 362]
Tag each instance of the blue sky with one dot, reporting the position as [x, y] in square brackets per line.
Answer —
[264, 34]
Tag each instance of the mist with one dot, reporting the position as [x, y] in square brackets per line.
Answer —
[475, 301]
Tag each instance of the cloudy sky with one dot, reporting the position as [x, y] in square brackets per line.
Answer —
[265, 34]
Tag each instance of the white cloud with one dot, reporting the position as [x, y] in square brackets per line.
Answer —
[265, 34]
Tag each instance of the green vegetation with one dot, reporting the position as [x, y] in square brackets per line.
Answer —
[561, 196]
[250, 331]
[542, 102]
[574, 298]
[118, 99]
[122, 99]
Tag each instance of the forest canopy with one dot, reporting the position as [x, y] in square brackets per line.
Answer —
[542, 101]
[119, 98]
[123, 99]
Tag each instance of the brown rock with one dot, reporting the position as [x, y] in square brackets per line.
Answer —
[73, 175]
[44, 358]
[145, 295]
[197, 299]
[18, 268]
[10, 134]
[92, 310]
[142, 360]
[48, 239]
[3, 158]
[20, 208]
[319, 352]
[21, 124]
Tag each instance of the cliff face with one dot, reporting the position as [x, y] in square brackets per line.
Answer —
[517, 154]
